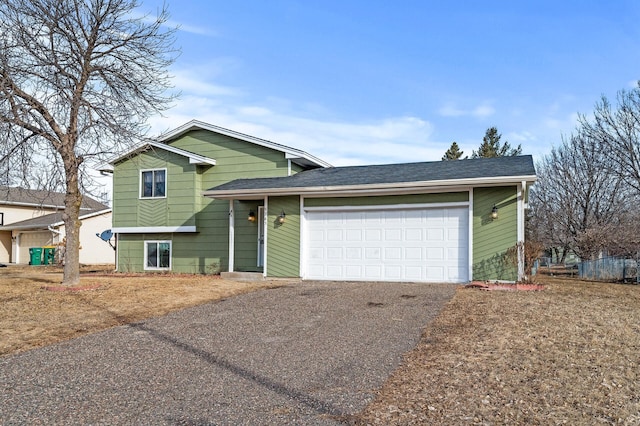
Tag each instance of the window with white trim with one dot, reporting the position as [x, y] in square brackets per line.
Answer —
[157, 255]
[153, 183]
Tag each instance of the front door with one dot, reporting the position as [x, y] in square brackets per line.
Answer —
[261, 236]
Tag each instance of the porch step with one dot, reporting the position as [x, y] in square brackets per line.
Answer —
[242, 276]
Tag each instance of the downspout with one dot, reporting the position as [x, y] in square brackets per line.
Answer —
[521, 226]
[53, 231]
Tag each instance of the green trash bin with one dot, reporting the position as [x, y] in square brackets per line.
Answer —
[49, 255]
[35, 254]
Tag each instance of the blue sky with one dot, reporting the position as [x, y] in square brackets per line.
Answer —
[371, 82]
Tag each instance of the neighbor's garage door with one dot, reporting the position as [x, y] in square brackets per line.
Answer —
[32, 239]
[429, 245]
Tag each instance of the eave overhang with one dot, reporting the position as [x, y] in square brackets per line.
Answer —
[196, 159]
[397, 188]
[295, 155]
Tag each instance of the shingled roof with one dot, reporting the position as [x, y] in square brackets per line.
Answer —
[435, 172]
[47, 220]
[44, 199]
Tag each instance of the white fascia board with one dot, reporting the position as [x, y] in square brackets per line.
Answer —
[399, 188]
[23, 227]
[196, 124]
[153, 229]
[294, 154]
[38, 205]
[193, 158]
[86, 216]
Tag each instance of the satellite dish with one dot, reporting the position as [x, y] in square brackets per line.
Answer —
[105, 235]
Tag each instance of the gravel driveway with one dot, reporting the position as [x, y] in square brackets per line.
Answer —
[307, 353]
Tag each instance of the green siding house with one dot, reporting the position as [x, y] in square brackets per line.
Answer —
[203, 199]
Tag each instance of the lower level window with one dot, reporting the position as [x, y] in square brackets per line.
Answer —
[157, 254]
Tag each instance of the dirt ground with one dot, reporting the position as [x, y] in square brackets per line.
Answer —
[567, 355]
[32, 316]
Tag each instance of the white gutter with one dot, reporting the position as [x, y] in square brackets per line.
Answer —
[371, 189]
[53, 230]
[86, 216]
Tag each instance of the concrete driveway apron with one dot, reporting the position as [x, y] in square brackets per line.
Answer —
[306, 353]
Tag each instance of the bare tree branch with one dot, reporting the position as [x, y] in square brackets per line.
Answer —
[78, 80]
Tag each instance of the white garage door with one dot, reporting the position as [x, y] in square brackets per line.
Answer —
[32, 239]
[428, 245]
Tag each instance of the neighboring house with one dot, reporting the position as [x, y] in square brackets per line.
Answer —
[31, 218]
[280, 211]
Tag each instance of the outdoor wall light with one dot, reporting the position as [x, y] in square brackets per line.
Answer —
[282, 217]
[494, 212]
[252, 216]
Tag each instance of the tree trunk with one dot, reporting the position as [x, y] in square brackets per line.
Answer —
[564, 254]
[72, 202]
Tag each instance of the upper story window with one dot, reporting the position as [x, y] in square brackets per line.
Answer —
[153, 183]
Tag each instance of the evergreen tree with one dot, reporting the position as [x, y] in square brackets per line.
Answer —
[491, 147]
[453, 153]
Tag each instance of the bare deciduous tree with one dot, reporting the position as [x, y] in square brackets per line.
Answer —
[78, 79]
[576, 202]
[618, 130]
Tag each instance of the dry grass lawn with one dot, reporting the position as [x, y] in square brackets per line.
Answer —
[567, 355]
[31, 316]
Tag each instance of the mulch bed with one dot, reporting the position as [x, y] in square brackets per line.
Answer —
[482, 285]
[69, 288]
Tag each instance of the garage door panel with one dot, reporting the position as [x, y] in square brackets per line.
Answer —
[354, 253]
[393, 253]
[413, 234]
[435, 273]
[393, 234]
[388, 245]
[414, 272]
[334, 234]
[353, 235]
[414, 253]
[334, 253]
[435, 253]
[435, 234]
[353, 272]
[372, 253]
[373, 234]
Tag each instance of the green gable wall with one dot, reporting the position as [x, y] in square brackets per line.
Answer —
[177, 209]
[283, 240]
[492, 238]
[444, 197]
[207, 250]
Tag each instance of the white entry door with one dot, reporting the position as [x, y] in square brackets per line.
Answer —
[422, 245]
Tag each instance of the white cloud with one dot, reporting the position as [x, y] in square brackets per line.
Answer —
[485, 109]
[151, 17]
[450, 110]
[634, 83]
[565, 124]
[193, 29]
[388, 140]
[519, 137]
